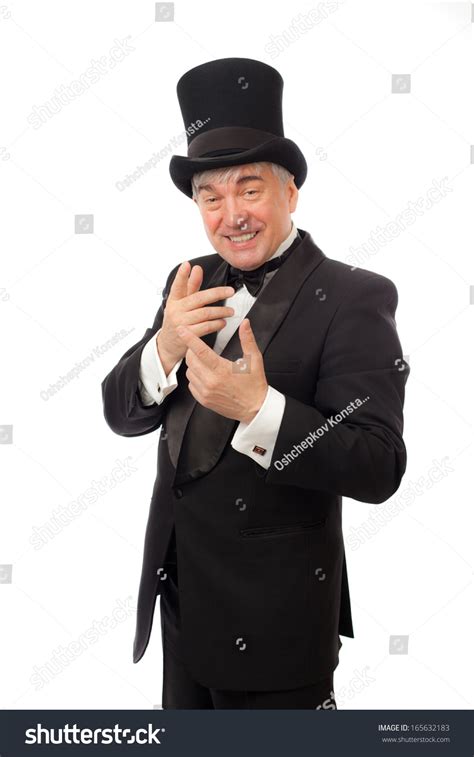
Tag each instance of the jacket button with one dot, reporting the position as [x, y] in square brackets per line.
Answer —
[179, 493]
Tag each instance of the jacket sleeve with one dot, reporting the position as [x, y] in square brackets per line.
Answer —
[124, 409]
[349, 440]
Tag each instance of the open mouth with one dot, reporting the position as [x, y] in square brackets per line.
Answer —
[242, 238]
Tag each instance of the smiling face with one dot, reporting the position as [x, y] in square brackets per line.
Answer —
[247, 217]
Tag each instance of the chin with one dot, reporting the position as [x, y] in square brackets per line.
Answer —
[248, 262]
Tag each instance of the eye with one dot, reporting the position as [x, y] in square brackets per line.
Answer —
[248, 191]
[210, 200]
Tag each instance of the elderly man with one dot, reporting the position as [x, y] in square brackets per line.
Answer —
[277, 378]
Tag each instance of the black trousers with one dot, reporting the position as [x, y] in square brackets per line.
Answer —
[181, 691]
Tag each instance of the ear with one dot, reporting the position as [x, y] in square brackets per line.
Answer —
[293, 195]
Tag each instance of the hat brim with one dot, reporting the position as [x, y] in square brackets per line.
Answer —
[280, 150]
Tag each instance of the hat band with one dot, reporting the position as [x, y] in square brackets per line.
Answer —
[227, 137]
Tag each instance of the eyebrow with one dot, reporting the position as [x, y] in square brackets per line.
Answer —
[210, 187]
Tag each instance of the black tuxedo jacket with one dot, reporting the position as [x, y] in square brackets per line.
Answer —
[263, 585]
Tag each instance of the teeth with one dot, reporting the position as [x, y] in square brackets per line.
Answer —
[243, 237]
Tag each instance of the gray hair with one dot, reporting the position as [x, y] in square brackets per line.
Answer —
[232, 172]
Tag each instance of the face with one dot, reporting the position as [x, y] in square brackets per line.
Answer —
[259, 206]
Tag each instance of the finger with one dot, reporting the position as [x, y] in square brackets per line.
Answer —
[195, 393]
[207, 327]
[199, 348]
[195, 279]
[200, 369]
[195, 380]
[247, 338]
[179, 287]
[206, 314]
[206, 296]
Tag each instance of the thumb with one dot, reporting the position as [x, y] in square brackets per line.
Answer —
[247, 339]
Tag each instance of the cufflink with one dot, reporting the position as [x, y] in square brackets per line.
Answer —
[259, 450]
[158, 387]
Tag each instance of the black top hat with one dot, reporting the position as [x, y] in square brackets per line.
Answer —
[232, 113]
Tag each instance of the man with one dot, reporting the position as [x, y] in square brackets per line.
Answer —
[267, 421]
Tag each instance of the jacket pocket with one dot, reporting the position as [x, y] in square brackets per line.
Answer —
[290, 528]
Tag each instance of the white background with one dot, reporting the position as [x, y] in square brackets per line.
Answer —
[370, 152]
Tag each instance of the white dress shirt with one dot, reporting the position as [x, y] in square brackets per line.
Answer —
[261, 433]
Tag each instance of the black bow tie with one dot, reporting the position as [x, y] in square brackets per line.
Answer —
[254, 279]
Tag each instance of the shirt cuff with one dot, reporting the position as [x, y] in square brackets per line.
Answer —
[257, 439]
[154, 384]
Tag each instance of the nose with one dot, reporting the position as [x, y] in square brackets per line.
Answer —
[235, 218]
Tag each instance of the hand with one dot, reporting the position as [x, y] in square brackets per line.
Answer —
[234, 389]
[187, 306]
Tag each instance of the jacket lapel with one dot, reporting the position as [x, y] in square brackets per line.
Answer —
[200, 435]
